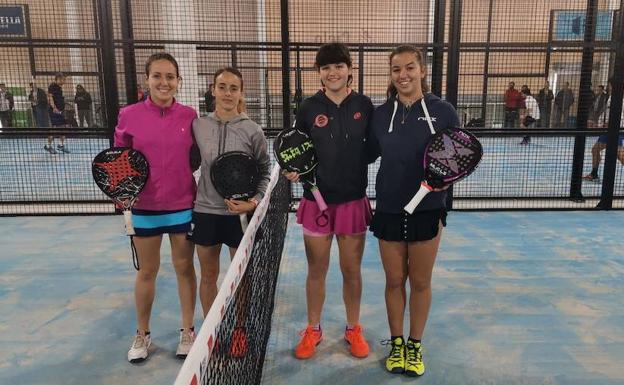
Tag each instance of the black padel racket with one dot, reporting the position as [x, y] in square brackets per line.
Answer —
[235, 175]
[451, 155]
[121, 173]
[294, 151]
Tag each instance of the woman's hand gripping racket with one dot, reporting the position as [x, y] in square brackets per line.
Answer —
[294, 152]
[451, 155]
[121, 173]
[235, 175]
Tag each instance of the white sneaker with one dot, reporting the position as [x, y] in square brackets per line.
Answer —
[138, 350]
[187, 337]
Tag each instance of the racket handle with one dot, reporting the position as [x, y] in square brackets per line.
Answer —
[128, 222]
[422, 192]
[243, 221]
[319, 198]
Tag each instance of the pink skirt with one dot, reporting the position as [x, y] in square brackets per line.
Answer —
[349, 218]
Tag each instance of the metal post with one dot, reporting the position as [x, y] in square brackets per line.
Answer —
[584, 100]
[108, 65]
[127, 36]
[486, 63]
[437, 62]
[285, 64]
[452, 77]
[615, 112]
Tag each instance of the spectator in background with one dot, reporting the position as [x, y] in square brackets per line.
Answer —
[563, 102]
[599, 104]
[6, 106]
[513, 104]
[544, 101]
[84, 105]
[531, 113]
[39, 103]
[209, 99]
[56, 100]
[602, 122]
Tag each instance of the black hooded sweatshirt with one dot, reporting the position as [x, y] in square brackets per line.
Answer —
[339, 134]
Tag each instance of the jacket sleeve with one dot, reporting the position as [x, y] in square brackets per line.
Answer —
[372, 150]
[195, 156]
[261, 153]
[122, 137]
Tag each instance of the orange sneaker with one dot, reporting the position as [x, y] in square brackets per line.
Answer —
[238, 347]
[307, 345]
[355, 338]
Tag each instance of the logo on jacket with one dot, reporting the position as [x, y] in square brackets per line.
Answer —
[321, 120]
[357, 116]
[433, 118]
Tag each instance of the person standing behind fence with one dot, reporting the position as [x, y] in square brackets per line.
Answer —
[408, 243]
[530, 114]
[56, 101]
[599, 104]
[6, 106]
[84, 105]
[563, 102]
[337, 120]
[513, 104]
[160, 128]
[39, 103]
[544, 101]
[209, 99]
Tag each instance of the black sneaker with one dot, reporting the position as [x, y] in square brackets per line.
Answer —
[61, 148]
[591, 178]
[49, 149]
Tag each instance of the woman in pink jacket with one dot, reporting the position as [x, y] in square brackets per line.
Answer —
[160, 128]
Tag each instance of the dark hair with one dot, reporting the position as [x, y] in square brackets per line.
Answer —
[333, 53]
[242, 107]
[420, 58]
[526, 90]
[161, 56]
[59, 75]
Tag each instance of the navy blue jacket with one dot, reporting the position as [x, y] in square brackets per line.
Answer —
[339, 134]
[402, 150]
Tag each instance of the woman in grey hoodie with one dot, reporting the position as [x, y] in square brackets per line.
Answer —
[215, 220]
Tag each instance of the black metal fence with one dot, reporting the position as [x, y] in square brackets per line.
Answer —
[474, 49]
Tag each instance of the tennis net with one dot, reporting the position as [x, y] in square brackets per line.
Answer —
[231, 344]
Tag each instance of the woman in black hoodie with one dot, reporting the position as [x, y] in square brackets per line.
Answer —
[336, 118]
[408, 244]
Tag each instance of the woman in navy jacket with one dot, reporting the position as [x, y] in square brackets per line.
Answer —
[408, 244]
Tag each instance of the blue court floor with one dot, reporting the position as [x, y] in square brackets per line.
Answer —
[518, 298]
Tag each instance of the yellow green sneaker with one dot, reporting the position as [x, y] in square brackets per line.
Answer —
[395, 363]
[414, 365]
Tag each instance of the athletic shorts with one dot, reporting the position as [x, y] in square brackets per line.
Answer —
[148, 223]
[213, 229]
[603, 139]
[348, 218]
[404, 227]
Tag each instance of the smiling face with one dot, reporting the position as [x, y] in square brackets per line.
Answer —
[407, 75]
[228, 92]
[163, 82]
[335, 77]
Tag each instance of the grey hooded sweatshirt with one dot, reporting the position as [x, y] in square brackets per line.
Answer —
[214, 137]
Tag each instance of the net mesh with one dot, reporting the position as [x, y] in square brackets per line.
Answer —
[231, 344]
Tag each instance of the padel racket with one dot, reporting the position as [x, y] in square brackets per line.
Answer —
[451, 155]
[294, 151]
[121, 173]
[235, 175]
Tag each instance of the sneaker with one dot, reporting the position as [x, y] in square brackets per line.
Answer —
[49, 149]
[238, 346]
[414, 365]
[139, 349]
[62, 149]
[591, 178]
[355, 338]
[307, 346]
[187, 337]
[395, 363]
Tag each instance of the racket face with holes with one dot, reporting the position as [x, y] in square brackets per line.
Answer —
[451, 155]
[120, 172]
[235, 175]
[294, 151]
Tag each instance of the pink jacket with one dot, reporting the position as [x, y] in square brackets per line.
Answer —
[165, 137]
